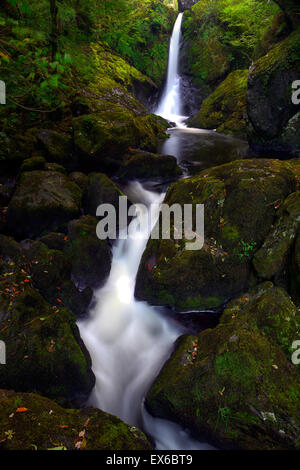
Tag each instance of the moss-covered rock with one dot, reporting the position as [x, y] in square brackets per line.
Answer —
[89, 257]
[272, 124]
[80, 179]
[224, 110]
[234, 384]
[43, 348]
[271, 258]
[100, 190]
[141, 164]
[44, 425]
[240, 200]
[103, 138]
[43, 201]
[33, 163]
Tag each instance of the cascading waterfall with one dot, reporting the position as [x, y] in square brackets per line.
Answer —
[170, 103]
[129, 341]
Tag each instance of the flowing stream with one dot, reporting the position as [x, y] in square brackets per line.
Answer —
[129, 341]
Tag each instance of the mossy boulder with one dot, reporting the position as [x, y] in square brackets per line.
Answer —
[291, 11]
[234, 384]
[142, 164]
[224, 110]
[240, 203]
[89, 256]
[44, 351]
[48, 271]
[103, 138]
[272, 122]
[33, 163]
[43, 201]
[57, 148]
[271, 258]
[44, 425]
[100, 190]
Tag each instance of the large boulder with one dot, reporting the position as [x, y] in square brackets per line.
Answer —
[224, 110]
[142, 164]
[273, 119]
[100, 190]
[89, 256]
[104, 137]
[291, 11]
[240, 202]
[44, 351]
[31, 422]
[236, 384]
[272, 257]
[43, 201]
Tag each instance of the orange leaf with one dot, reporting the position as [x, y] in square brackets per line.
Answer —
[58, 300]
[63, 426]
[21, 410]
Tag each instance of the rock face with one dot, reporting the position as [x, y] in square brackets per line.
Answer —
[141, 164]
[32, 422]
[240, 202]
[43, 201]
[100, 190]
[225, 109]
[57, 148]
[273, 119]
[291, 11]
[103, 138]
[236, 384]
[43, 347]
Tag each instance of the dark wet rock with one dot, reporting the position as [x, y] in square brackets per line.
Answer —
[57, 148]
[235, 384]
[54, 240]
[50, 166]
[43, 201]
[141, 164]
[240, 203]
[44, 425]
[89, 256]
[43, 347]
[104, 137]
[273, 122]
[80, 179]
[271, 258]
[225, 109]
[100, 190]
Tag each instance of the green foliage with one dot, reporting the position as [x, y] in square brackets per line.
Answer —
[40, 84]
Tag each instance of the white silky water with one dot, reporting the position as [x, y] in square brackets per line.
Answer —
[170, 103]
[128, 340]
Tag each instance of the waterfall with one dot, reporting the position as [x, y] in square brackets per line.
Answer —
[128, 340]
[170, 105]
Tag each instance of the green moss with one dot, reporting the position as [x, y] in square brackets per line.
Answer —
[225, 108]
[43, 425]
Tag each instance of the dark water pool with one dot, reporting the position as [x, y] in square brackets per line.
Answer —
[198, 149]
